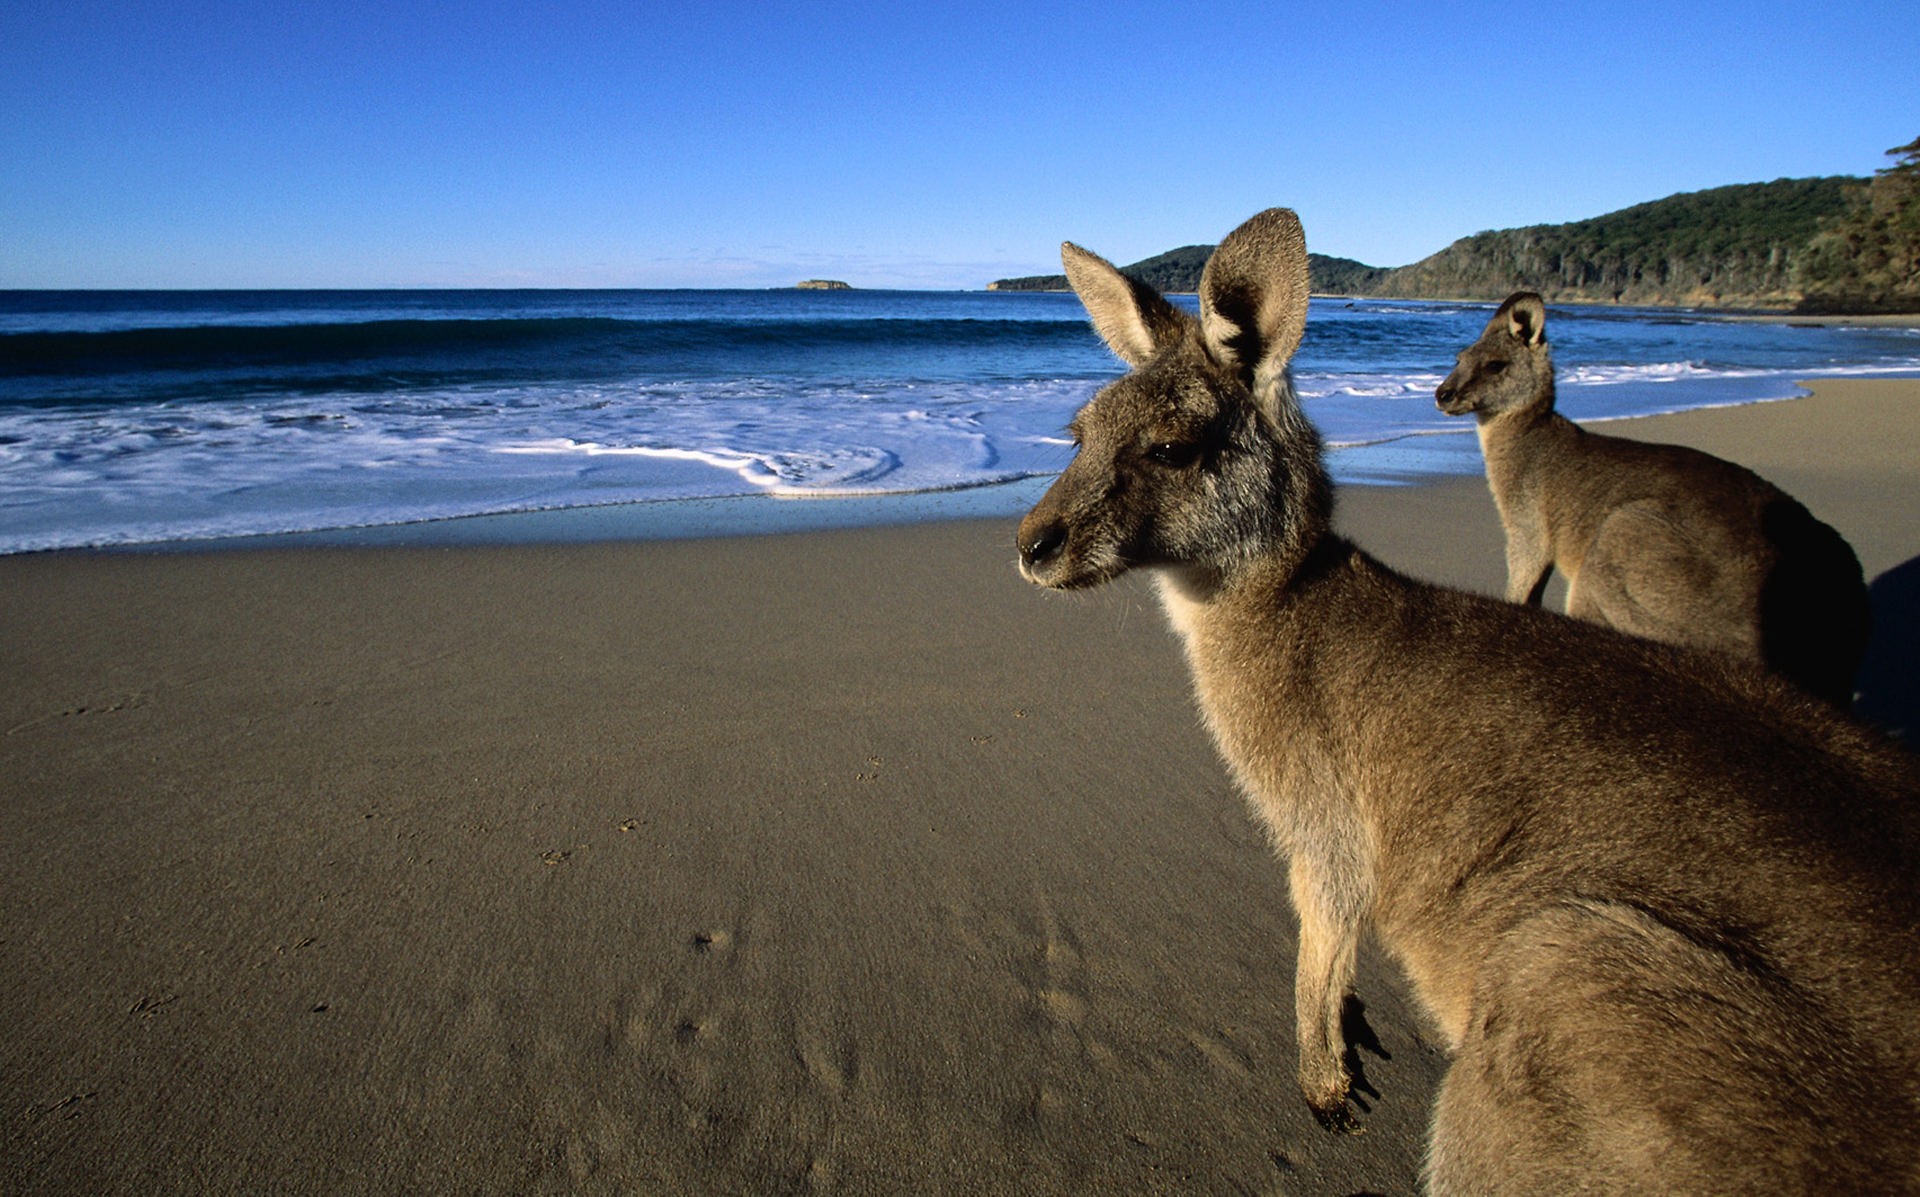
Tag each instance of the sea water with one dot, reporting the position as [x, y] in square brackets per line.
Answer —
[152, 417]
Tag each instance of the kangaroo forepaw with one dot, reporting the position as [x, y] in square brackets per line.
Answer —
[1338, 1118]
[1327, 1090]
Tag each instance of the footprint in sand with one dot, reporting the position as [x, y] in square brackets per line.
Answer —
[682, 1025]
[831, 1066]
[1221, 1052]
[1060, 986]
[1056, 979]
[670, 1029]
[1063, 1007]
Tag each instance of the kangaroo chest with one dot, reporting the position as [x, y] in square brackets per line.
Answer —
[1538, 469]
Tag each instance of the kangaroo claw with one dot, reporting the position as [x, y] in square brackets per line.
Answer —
[1339, 1119]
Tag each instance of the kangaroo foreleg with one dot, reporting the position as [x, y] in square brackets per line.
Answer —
[1323, 976]
[1529, 565]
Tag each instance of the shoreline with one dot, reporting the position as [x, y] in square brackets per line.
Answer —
[843, 860]
[1861, 320]
[725, 516]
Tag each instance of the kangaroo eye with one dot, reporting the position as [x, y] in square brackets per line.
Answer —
[1173, 454]
[1496, 366]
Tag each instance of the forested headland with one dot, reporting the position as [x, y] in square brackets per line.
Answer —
[1838, 244]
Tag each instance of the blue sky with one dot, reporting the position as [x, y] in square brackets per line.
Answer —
[920, 144]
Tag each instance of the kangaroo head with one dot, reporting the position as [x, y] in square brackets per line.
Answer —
[1509, 367]
[1200, 457]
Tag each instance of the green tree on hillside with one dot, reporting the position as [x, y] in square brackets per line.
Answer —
[1869, 258]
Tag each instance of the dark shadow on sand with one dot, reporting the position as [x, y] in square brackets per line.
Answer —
[1815, 617]
[1889, 681]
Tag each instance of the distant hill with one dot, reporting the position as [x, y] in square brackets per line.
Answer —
[1177, 272]
[1834, 244]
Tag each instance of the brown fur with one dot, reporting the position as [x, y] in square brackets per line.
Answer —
[1659, 540]
[1661, 907]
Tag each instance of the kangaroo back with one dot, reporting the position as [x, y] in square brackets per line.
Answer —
[1661, 906]
[1657, 540]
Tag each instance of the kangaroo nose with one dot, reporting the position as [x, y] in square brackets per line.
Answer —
[1042, 544]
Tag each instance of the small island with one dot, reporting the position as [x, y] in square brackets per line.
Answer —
[822, 284]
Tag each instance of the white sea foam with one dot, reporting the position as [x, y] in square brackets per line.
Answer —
[127, 476]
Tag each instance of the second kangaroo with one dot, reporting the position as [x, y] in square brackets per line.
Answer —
[1659, 540]
[1660, 905]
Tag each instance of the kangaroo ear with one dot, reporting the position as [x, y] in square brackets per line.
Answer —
[1131, 317]
[1253, 296]
[1526, 317]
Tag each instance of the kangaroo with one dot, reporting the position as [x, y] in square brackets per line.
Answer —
[1658, 540]
[1660, 906]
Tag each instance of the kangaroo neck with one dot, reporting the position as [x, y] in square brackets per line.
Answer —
[1226, 612]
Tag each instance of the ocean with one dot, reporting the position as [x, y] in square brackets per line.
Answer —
[152, 418]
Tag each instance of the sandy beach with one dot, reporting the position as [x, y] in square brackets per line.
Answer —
[831, 862]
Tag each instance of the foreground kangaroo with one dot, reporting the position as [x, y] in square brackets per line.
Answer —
[1658, 540]
[1661, 906]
